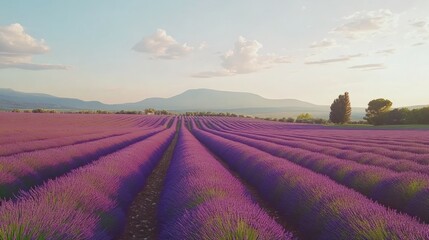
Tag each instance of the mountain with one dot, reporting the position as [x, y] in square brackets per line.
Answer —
[207, 99]
[10, 99]
[190, 100]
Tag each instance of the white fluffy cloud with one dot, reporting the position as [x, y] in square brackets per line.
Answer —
[13, 39]
[363, 24]
[17, 48]
[162, 45]
[325, 43]
[243, 59]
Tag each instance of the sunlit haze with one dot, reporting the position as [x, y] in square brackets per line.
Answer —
[125, 51]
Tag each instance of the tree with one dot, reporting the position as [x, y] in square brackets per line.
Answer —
[375, 110]
[418, 116]
[341, 109]
[149, 111]
[304, 118]
[38, 110]
[396, 116]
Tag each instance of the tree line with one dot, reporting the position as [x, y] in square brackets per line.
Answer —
[148, 111]
[379, 112]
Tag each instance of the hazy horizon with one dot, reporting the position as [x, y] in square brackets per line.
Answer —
[182, 92]
[117, 52]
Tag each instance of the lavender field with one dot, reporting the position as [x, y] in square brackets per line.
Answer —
[114, 176]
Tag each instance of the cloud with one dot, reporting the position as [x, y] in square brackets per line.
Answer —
[17, 48]
[333, 60]
[325, 43]
[369, 67]
[386, 51]
[243, 59]
[418, 44]
[210, 74]
[33, 66]
[420, 30]
[161, 45]
[202, 46]
[364, 24]
[13, 39]
[419, 23]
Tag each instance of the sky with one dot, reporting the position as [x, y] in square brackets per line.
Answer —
[126, 51]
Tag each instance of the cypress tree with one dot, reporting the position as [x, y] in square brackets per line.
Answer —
[348, 108]
[333, 116]
[341, 109]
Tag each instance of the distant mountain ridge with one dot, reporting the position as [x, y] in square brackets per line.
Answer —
[194, 99]
[207, 99]
[10, 99]
[190, 100]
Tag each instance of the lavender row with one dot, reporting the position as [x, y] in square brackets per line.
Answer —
[404, 140]
[14, 148]
[154, 122]
[22, 171]
[390, 138]
[33, 127]
[378, 156]
[45, 126]
[17, 135]
[407, 192]
[88, 203]
[255, 124]
[398, 165]
[202, 200]
[375, 145]
[319, 137]
[373, 136]
[321, 208]
[382, 148]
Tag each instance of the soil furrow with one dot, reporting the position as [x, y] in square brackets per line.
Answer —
[141, 222]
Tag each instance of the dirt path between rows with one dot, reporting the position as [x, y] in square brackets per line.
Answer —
[261, 202]
[142, 223]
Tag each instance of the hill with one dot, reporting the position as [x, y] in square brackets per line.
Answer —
[207, 99]
[190, 100]
[10, 99]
